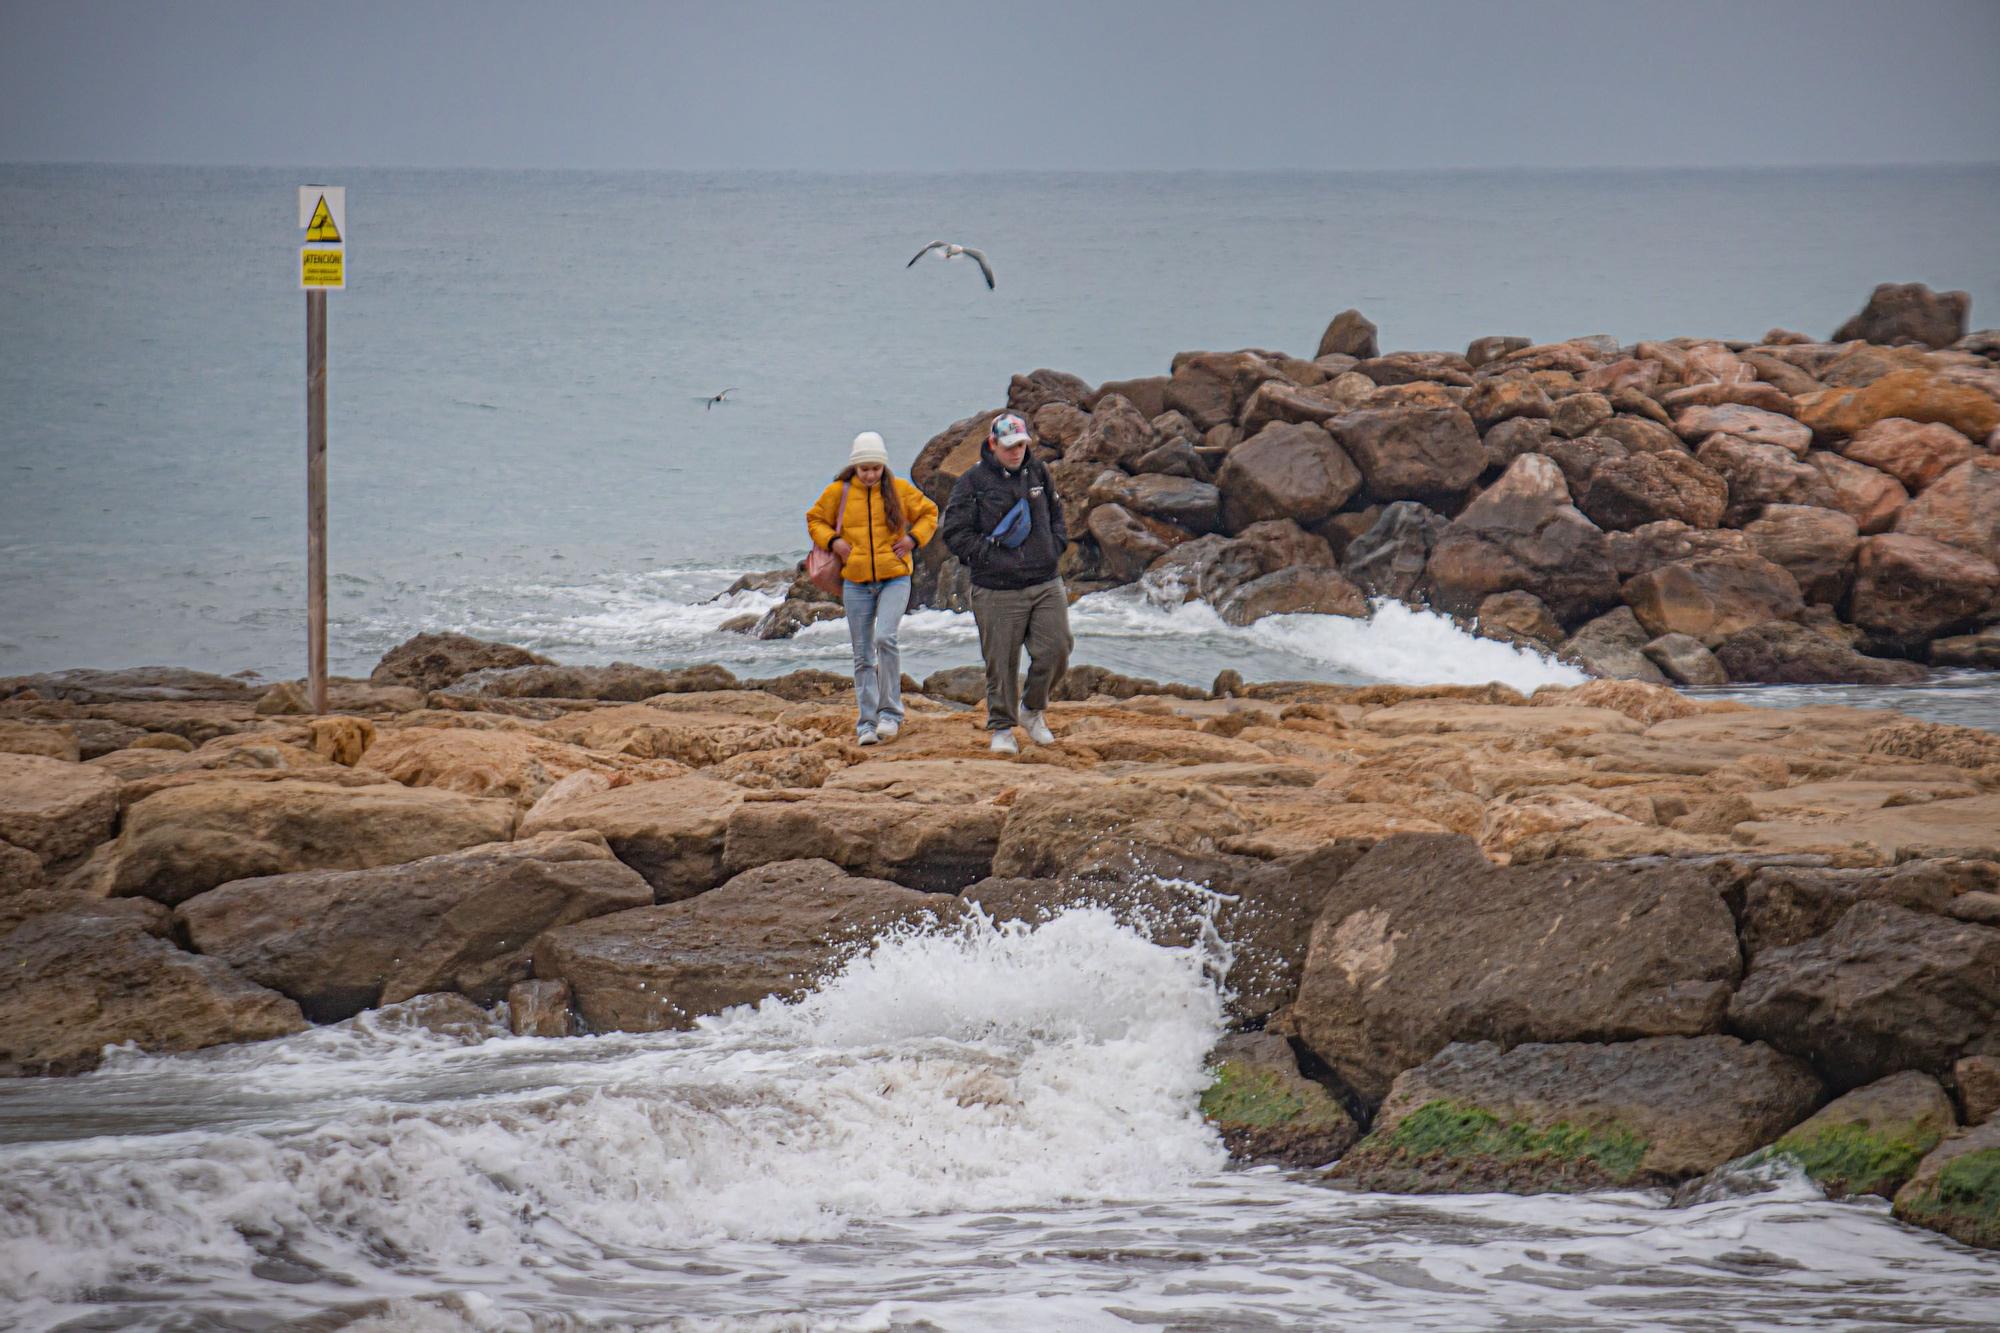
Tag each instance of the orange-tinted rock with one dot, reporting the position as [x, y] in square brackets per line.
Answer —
[1871, 497]
[1914, 453]
[1914, 395]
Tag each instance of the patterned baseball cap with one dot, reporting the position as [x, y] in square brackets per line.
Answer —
[1007, 428]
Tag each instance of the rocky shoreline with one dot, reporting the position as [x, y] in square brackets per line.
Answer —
[1684, 511]
[1603, 936]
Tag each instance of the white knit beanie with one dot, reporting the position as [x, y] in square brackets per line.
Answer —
[868, 448]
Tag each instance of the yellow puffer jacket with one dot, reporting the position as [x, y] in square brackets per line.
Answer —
[867, 528]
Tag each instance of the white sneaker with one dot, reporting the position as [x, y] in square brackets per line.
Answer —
[1037, 729]
[1004, 743]
[888, 729]
[866, 736]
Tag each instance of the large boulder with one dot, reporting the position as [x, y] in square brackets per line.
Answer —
[1424, 943]
[1909, 589]
[1502, 399]
[1816, 546]
[1956, 1188]
[1350, 333]
[1887, 989]
[78, 981]
[1871, 1140]
[1299, 589]
[1050, 832]
[1148, 393]
[774, 930]
[1267, 1111]
[186, 840]
[1522, 532]
[937, 846]
[1915, 453]
[1780, 652]
[1914, 395]
[1637, 489]
[340, 941]
[1513, 437]
[1286, 471]
[948, 454]
[50, 740]
[1432, 454]
[1193, 506]
[1029, 393]
[1210, 388]
[1651, 545]
[671, 832]
[1908, 312]
[1759, 475]
[1961, 508]
[1786, 904]
[1695, 424]
[1118, 435]
[1571, 1116]
[432, 661]
[1129, 543]
[1871, 497]
[1281, 400]
[1389, 559]
[54, 808]
[1686, 660]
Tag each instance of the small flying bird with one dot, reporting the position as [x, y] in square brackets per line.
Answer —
[712, 399]
[950, 251]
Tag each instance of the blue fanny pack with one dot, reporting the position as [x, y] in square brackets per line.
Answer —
[1014, 528]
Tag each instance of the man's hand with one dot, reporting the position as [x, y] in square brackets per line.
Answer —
[842, 547]
[904, 545]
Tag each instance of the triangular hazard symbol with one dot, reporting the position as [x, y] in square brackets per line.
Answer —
[321, 227]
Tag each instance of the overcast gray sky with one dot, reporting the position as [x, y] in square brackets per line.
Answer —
[944, 85]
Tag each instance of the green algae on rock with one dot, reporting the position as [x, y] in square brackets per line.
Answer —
[1446, 1146]
[1266, 1111]
[1871, 1140]
[1957, 1188]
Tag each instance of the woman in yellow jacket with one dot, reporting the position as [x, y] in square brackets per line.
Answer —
[886, 519]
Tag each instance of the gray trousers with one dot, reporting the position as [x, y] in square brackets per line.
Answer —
[1009, 619]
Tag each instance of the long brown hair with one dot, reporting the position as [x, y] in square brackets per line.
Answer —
[892, 504]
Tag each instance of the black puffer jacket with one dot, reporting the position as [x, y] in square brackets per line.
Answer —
[981, 499]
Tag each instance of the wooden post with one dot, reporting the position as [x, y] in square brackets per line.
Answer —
[316, 498]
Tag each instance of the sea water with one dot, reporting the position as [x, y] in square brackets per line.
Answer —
[989, 1127]
[518, 446]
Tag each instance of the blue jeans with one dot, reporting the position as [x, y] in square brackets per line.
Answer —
[874, 610]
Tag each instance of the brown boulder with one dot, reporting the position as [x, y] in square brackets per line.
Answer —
[1961, 508]
[671, 832]
[1210, 388]
[1029, 393]
[1194, 506]
[1059, 425]
[1480, 351]
[55, 808]
[1430, 370]
[1349, 334]
[1302, 588]
[340, 941]
[1424, 943]
[1389, 558]
[1782, 653]
[1761, 474]
[947, 455]
[1293, 472]
[1638, 489]
[1908, 312]
[1885, 990]
[1580, 414]
[1686, 660]
[1267, 1111]
[1870, 497]
[1280, 400]
[183, 841]
[934, 846]
[774, 930]
[432, 661]
[148, 684]
[1175, 458]
[1118, 435]
[1651, 545]
[1571, 1116]
[1507, 441]
[1127, 542]
[1641, 436]
[1523, 533]
[1914, 453]
[80, 981]
[1695, 424]
[1147, 393]
[50, 740]
[1412, 453]
[540, 1009]
[1952, 1191]
[1495, 400]
[1712, 597]
[1910, 589]
[1816, 545]
[1914, 395]
[1518, 617]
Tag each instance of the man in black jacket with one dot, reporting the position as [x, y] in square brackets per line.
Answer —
[1017, 597]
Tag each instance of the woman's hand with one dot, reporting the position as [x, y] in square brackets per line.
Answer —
[904, 545]
[842, 547]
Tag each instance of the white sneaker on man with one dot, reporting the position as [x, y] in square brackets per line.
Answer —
[866, 736]
[1004, 743]
[1037, 729]
[887, 729]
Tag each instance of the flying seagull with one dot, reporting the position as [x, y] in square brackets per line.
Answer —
[713, 399]
[950, 251]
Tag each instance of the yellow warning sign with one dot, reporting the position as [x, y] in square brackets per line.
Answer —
[322, 227]
[322, 269]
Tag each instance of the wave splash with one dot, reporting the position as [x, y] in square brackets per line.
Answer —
[993, 1066]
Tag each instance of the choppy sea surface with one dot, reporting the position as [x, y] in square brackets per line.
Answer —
[989, 1128]
[518, 449]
